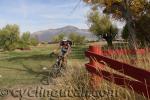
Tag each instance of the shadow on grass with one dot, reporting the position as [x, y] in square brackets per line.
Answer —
[33, 57]
[10, 68]
[33, 72]
[42, 74]
[45, 75]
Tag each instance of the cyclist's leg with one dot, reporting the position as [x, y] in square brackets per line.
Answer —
[60, 55]
[60, 58]
[64, 61]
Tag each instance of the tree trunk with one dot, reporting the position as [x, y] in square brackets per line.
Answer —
[109, 41]
[132, 38]
[132, 35]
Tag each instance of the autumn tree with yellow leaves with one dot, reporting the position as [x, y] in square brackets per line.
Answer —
[128, 10]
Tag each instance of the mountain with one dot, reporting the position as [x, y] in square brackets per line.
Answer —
[47, 35]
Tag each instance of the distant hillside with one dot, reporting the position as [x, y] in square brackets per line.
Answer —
[47, 35]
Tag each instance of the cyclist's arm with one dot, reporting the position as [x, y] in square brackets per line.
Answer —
[68, 51]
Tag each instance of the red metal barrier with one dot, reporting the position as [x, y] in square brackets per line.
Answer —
[95, 79]
[125, 51]
[141, 78]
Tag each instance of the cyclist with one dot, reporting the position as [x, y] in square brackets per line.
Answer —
[61, 62]
[65, 45]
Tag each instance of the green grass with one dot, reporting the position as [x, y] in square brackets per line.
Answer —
[21, 67]
[78, 52]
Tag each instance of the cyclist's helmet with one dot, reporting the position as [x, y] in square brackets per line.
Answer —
[66, 40]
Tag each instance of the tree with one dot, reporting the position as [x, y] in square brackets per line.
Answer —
[34, 41]
[58, 38]
[61, 36]
[76, 38]
[55, 39]
[81, 39]
[125, 33]
[73, 37]
[26, 37]
[129, 10]
[102, 27]
[24, 41]
[9, 36]
[142, 29]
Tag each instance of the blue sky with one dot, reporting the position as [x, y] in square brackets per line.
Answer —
[35, 15]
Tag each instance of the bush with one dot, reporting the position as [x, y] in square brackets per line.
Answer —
[10, 40]
[76, 38]
[58, 38]
[34, 41]
[9, 37]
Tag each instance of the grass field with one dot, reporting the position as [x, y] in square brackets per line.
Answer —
[20, 69]
[23, 62]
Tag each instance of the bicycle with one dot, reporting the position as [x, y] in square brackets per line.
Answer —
[55, 71]
[59, 66]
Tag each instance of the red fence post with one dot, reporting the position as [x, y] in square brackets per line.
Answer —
[95, 79]
[140, 82]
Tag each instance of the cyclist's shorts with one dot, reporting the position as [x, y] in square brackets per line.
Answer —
[63, 51]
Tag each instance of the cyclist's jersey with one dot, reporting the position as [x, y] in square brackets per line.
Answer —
[65, 45]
